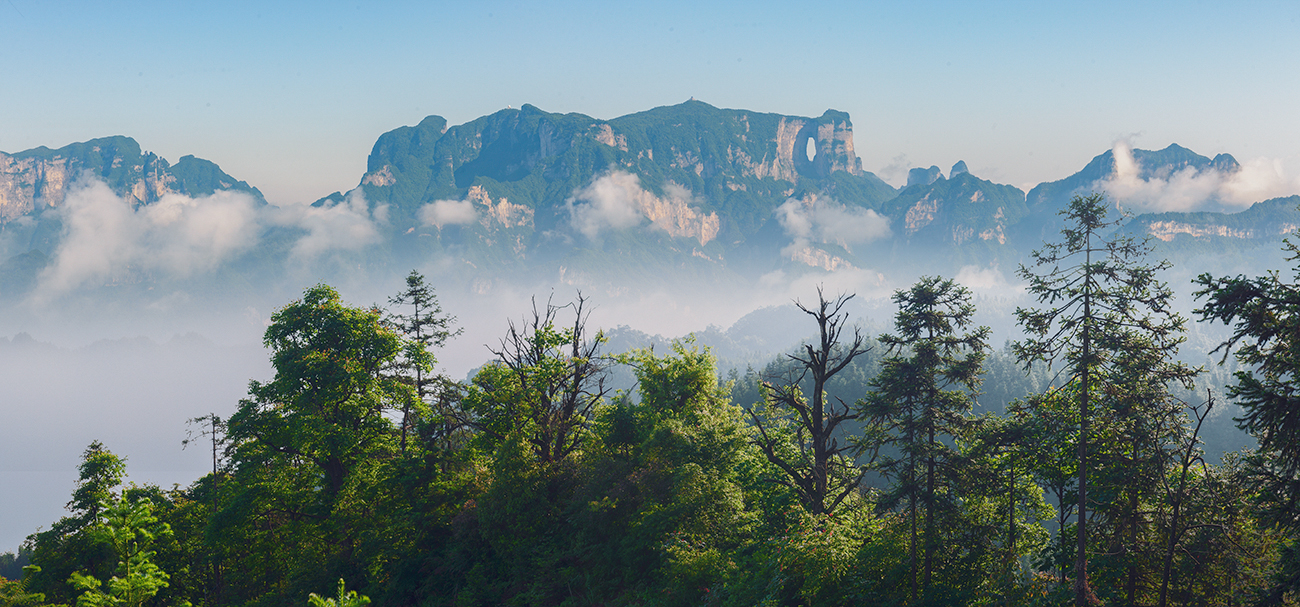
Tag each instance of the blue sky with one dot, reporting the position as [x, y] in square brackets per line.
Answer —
[291, 96]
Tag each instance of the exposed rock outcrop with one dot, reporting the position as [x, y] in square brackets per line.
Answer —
[919, 176]
[39, 179]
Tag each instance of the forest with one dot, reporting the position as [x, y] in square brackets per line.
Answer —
[358, 474]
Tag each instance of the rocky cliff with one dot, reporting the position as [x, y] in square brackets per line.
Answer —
[690, 181]
[36, 180]
[689, 189]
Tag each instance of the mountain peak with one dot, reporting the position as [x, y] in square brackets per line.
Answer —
[1226, 163]
[920, 176]
[958, 169]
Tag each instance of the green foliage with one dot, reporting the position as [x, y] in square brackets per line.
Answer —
[130, 529]
[68, 546]
[325, 405]
[918, 405]
[308, 447]
[424, 327]
[1262, 312]
[1110, 318]
[101, 471]
[344, 599]
[797, 433]
[544, 386]
[11, 564]
[13, 593]
[536, 486]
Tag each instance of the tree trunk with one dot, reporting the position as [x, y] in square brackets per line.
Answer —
[929, 509]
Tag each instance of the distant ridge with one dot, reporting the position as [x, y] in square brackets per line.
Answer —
[688, 191]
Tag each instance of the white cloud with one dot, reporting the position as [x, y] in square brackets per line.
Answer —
[988, 282]
[103, 235]
[813, 219]
[105, 238]
[348, 225]
[611, 202]
[448, 212]
[1194, 190]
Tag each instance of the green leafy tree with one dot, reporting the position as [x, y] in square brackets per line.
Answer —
[131, 529]
[800, 434]
[344, 599]
[1001, 511]
[918, 407]
[67, 547]
[215, 430]
[1264, 314]
[1140, 433]
[1047, 428]
[1104, 306]
[325, 407]
[307, 446]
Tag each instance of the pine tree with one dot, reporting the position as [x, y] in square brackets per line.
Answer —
[1264, 313]
[920, 398]
[425, 327]
[1104, 309]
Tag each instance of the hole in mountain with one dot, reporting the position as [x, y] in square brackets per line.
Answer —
[812, 149]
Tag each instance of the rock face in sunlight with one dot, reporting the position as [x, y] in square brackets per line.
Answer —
[39, 179]
[1269, 220]
[683, 185]
[964, 214]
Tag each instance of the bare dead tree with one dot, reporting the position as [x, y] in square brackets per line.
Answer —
[796, 431]
[549, 381]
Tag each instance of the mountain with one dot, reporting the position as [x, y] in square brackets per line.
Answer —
[962, 219]
[35, 183]
[686, 192]
[1264, 223]
[688, 187]
[37, 180]
[1046, 199]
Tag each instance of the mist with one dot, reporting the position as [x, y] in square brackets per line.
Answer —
[148, 316]
[1191, 189]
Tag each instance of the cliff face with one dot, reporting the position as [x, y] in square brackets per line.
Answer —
[688, 189]
[699, 175]
[36, 180]
[1264, 222]
[538, 159]
[964, 214]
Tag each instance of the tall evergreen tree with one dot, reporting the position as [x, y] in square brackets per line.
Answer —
[1264, 313]
[919, 401]
[1103, 306]
[425, 327]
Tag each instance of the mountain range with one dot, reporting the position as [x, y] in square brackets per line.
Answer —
[689, 190]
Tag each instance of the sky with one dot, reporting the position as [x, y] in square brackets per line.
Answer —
[291, 96]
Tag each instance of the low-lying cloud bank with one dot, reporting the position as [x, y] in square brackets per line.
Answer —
[1191, 189]
[105, 239]
[104, 236]
[348, 225]
[441, 213]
